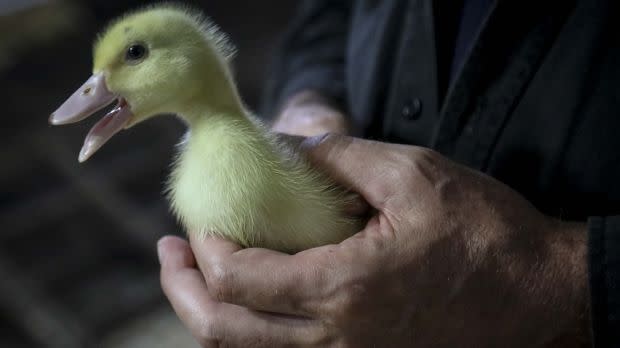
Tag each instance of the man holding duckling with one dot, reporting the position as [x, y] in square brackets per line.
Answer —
[497, 226]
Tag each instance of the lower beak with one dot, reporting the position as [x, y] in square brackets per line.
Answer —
[91, 97]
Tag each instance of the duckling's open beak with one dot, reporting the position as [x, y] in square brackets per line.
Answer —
[91, 97]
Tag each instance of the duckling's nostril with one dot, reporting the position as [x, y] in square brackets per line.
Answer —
[87, 91]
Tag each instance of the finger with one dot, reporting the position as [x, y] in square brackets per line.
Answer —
[261, 279]
[346, 160]
[216, 324]
[355, 205]
[177, 249]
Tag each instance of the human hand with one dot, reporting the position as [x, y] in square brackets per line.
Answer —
[309, 114]
[452, 258]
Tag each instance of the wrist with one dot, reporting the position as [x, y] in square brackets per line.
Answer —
[544, 263]
[567, 243]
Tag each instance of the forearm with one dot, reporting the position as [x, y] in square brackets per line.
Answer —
[312, 55]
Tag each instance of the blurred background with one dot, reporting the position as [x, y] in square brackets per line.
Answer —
[78, 266]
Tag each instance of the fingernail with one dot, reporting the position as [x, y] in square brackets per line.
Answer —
[312, 142]
[160, 252]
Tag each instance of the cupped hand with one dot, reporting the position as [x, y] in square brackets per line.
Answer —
[451, 258]
[310, 114]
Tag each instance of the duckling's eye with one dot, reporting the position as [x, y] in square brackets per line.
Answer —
[135, 53]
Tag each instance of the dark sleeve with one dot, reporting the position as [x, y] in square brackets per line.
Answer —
[312, 54]
[604, 270]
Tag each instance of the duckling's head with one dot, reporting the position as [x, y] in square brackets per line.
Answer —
[162, 59]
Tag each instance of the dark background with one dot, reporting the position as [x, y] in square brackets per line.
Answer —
[78, 266]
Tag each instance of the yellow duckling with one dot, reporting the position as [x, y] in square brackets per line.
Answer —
[232, 177]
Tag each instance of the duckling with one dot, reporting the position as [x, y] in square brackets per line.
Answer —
[232, 177]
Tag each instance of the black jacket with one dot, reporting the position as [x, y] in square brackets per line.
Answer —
[536, 103]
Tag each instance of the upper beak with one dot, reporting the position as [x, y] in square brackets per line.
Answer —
[91, 97]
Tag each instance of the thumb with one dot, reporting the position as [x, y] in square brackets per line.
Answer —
[354, 163]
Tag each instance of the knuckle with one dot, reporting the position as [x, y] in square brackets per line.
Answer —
[431, 165]
[220, 282]
[425, 153]
[349, 301]
[423, 159]
[318, 338]
[208, 336]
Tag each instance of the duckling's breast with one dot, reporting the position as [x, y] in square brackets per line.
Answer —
[232, 185]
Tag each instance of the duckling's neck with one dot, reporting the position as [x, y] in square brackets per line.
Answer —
[216, 95]
[218, 119]
[203, 117]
